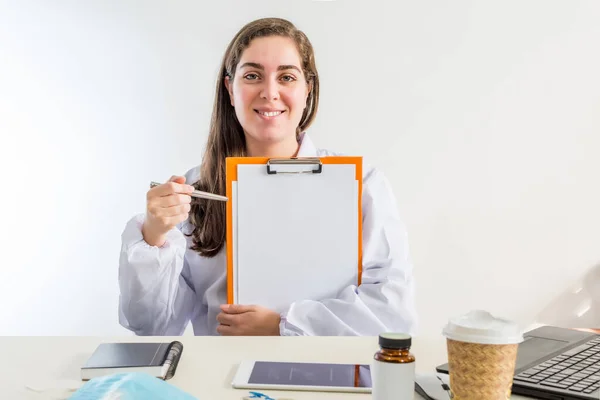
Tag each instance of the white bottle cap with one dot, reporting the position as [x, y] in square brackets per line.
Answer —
[480, 326]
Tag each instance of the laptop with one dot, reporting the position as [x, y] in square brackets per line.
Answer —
[556, 363]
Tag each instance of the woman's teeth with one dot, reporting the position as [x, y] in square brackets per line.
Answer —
[270, 114]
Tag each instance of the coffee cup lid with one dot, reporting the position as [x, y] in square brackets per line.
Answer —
[480, 326]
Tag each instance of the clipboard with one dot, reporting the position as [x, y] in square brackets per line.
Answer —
[294, 228]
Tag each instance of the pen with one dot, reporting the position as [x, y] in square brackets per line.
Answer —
[258, 395]
[198, 193]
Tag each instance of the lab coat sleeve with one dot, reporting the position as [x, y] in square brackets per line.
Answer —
[155, 299]
[384, 301]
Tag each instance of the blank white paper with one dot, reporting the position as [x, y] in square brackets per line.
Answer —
[296, 235]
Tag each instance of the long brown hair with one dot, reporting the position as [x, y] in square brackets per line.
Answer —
[226, 137]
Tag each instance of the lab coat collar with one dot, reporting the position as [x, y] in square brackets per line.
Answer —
[307, 147]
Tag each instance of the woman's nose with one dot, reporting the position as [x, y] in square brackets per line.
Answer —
[270, 90]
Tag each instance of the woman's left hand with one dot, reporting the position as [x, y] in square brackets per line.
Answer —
[241, 320]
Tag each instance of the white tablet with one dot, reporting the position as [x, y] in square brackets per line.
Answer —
[303, 376]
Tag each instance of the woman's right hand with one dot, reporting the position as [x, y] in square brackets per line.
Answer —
[167, 205]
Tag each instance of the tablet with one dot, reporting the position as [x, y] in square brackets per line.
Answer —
[322, 377]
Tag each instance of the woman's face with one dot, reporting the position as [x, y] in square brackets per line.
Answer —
[269, 90]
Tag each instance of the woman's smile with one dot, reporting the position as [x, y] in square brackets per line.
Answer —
[269, 115]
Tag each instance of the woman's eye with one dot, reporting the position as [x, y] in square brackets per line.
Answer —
[251, 77]
[288, 78]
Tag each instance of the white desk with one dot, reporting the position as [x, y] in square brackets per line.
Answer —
[207, 365]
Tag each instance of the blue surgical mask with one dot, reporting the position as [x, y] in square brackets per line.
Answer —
[129, 386]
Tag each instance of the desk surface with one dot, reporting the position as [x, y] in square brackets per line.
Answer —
[206, 367]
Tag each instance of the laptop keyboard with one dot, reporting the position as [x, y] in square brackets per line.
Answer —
[576, 370]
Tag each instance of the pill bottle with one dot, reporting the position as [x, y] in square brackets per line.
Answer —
[393, 368]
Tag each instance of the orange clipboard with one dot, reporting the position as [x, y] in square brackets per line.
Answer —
[287, 166]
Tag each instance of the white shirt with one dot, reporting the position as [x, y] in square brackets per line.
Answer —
[164, 288]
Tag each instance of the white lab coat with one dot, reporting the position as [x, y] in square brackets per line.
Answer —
[163, 289]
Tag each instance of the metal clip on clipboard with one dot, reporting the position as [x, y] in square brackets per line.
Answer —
[295, 161]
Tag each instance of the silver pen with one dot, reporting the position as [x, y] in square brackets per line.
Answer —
[199, 194]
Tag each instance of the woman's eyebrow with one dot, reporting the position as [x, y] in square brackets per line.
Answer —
[261, 67]
[284, 67]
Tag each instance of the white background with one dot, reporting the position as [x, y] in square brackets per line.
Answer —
[485, 116]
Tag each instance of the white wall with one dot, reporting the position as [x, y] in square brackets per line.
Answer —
[484, 116]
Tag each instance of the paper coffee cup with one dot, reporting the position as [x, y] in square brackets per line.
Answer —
[482, 352]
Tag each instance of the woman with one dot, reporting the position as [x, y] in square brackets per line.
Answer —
[173, 266]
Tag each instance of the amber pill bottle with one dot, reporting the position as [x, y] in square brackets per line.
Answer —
[393, 368]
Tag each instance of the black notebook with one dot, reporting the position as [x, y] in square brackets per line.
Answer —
[157, 359]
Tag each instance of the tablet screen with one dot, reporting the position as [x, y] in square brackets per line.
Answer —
[311, 374]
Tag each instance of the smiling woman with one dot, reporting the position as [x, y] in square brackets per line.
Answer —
[173, 264]
[269, 98]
